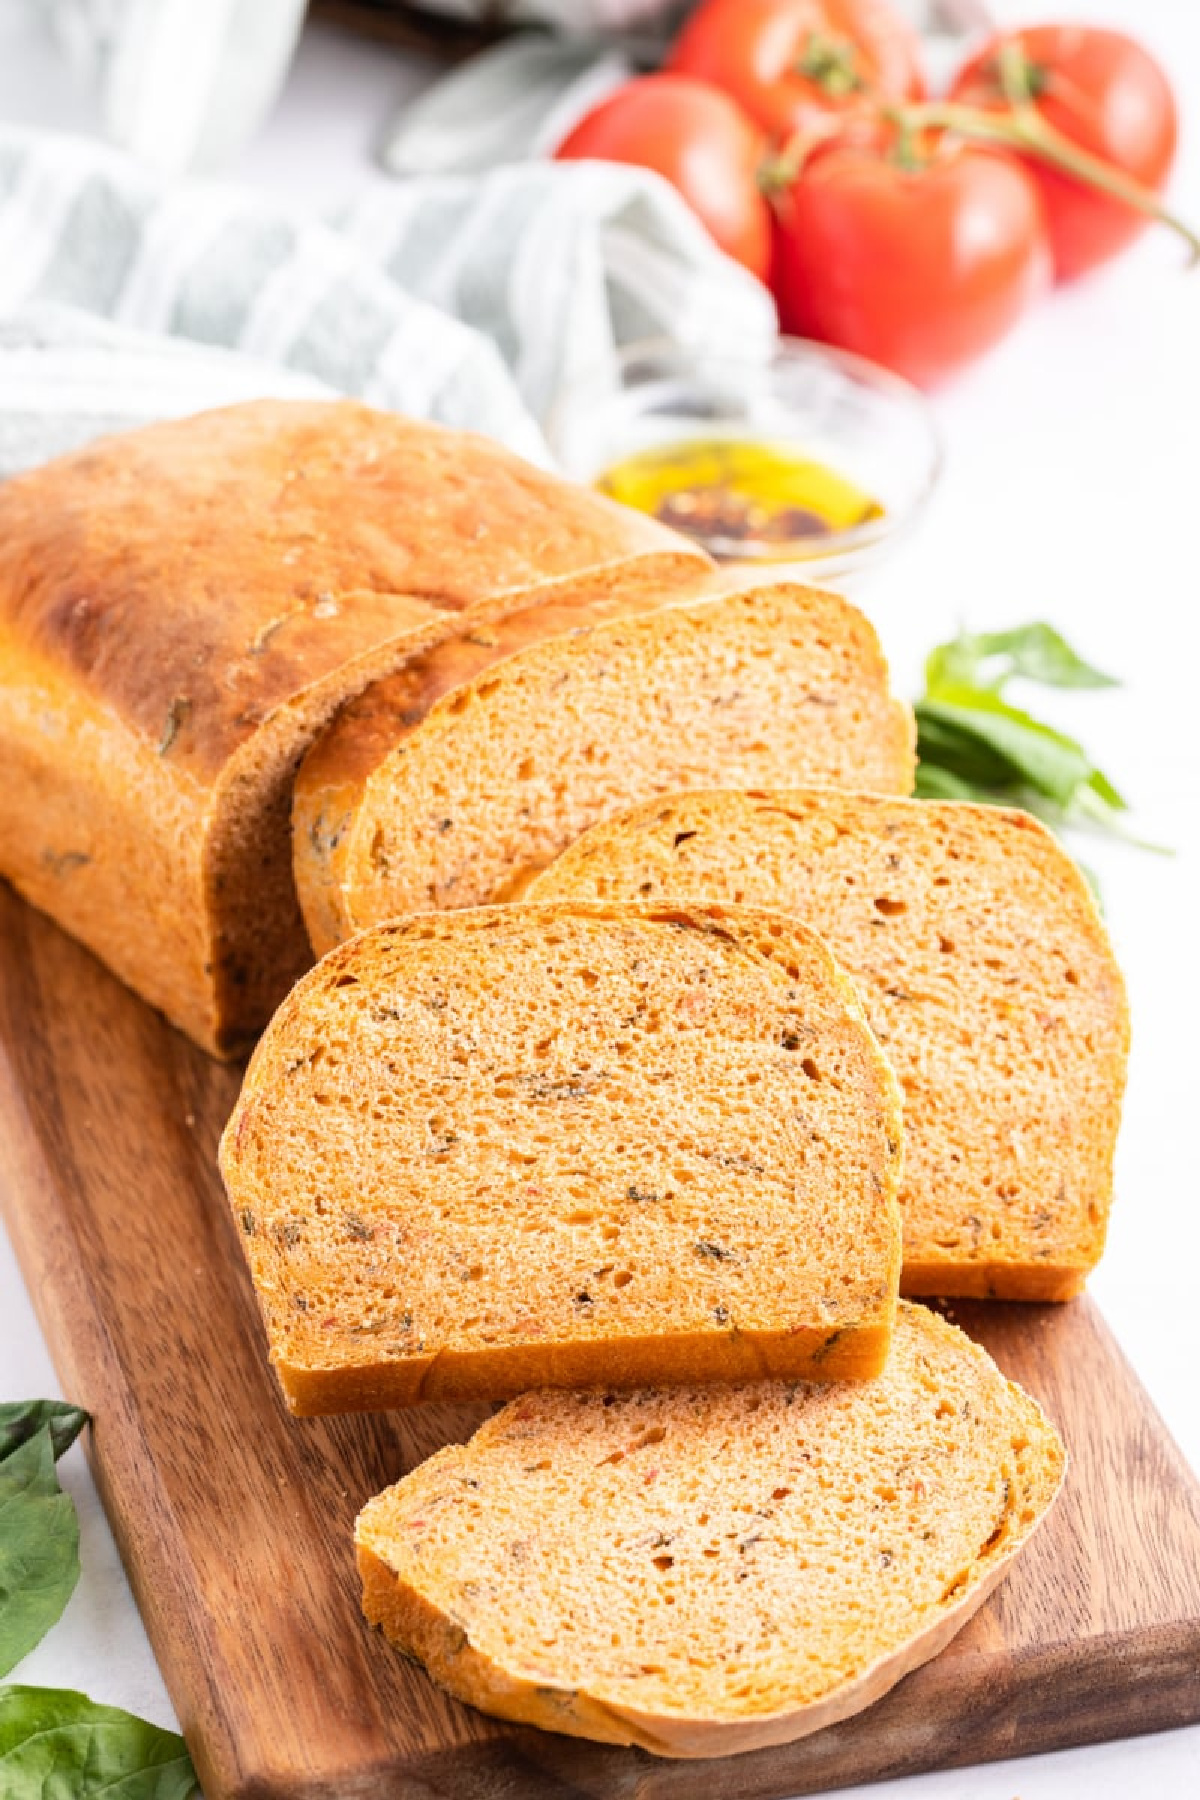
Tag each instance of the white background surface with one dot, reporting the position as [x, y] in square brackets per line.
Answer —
[1072, 494]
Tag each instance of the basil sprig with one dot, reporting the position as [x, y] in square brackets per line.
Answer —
[974, 744]
[39, 1532]
[57, 1742]
[987, 659]
[22, 1419]
[54, 1742]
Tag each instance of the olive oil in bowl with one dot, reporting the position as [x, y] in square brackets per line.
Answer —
[742, 497]
[776, 454]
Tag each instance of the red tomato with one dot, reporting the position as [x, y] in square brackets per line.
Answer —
[1107, 94]
[922, 267]
[701, 142]
[791, 63]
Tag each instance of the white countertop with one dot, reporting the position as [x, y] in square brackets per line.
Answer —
[1072, 494]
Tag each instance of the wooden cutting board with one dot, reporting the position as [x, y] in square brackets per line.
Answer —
[235, 1521]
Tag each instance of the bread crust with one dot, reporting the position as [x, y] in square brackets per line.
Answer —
[183, 607]
[1011, 1280]
[321, 1372]
[189, 557]
[851, 1353]
[344, 786]
[441, 1642]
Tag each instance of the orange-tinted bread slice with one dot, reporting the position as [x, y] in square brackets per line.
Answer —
[703, 1571]
[565, 1145]
[986, 975]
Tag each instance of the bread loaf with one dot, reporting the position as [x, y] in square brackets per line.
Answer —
[567, 1145]
[182, 609]
[702, 1571]
[986, 975]
[454, 783]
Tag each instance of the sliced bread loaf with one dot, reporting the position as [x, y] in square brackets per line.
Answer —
[183, 607]
[986, 975]
[703, 1571]
[454, 783]
[569, 1144]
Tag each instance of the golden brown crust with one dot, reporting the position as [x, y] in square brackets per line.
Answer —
[102, 837]
[441, 1646]
[348, 786]
[221, 565]
[850, 1353]
[182, 608]
[950, 1277]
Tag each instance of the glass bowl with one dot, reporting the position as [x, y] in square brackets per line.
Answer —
[853, 418]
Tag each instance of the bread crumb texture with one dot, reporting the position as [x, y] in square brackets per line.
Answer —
[987, 977]
[713, 1569]
[418, 797]
[568, 1144]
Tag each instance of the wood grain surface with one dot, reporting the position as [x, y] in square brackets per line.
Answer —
[235, 1521]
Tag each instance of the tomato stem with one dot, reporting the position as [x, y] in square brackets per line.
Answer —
[905, 152]
[784, 168]
[1026, 131]
[1021, 82]
[831, 64]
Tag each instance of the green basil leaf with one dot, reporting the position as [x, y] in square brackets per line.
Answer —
[973, 744]
[1104, 788]
[59, 1745]
[39, 1547]
[20, 1420]
[933, 782]
[1053, 764]
[952, 746]
[1033, 652]
[952, 664]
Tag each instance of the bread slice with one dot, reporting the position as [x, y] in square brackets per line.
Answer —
[567, 1145]
[182, 609]
[455, 783]
[987, 977]
[709, 1570]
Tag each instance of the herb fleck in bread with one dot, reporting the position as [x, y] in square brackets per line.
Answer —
[182, 608]
[986, 975]
[568, 1145]
[454, 783]
[712, 1570]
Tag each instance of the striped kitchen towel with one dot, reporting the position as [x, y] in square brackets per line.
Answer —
[475, 301]
[183, 83]
[517, 100]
